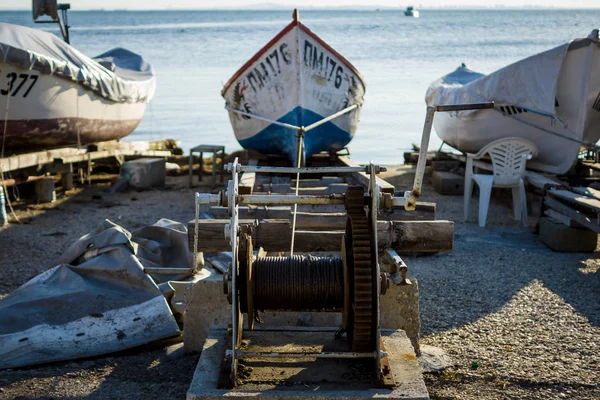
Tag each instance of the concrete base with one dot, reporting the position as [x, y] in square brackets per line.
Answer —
[301, 378]
[206, 305]
[560, 237]
[44, 190]
[448, 183]
[144, 173]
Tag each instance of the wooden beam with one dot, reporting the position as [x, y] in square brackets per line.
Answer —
[577, 200]
[248, 179]
[563, 219]
[571, 213]
[363, 178]
[275, 235]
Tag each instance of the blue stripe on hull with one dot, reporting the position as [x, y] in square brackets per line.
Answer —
[275, 139]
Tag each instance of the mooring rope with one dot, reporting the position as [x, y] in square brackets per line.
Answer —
[298, 164]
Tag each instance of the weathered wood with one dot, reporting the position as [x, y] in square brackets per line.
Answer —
[417, 236]
[275, 235]
[247, 182]
[578, 200]
[563, 219]
[326, 221]
[572, 213]
[424, 211]
[363, 178]
[540, 181]
[587, 191]
[324, 181]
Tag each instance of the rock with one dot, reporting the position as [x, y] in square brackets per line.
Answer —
[434, 359]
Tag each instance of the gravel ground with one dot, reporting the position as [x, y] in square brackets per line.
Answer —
[520, 321]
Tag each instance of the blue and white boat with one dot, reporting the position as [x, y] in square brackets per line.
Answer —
[296, 80]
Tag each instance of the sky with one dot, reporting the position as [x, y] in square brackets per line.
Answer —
[193, 4]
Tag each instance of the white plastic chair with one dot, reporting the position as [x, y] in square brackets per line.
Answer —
[509, 157]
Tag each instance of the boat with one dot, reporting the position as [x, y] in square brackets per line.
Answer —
[295, 83]
[52, 95]
[551, 98]
[411, 12]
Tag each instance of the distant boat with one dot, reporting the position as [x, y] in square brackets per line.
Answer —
[55, 96]
[551, 99]
[296, 79]
[411, 12]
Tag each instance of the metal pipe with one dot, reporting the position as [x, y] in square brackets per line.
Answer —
[332, 116]
[412, 195]
[303, 170]
[260, 199]
[242, 354]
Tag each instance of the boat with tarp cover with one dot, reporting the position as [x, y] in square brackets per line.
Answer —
[551, 98]
[296, 96]
[52, 95]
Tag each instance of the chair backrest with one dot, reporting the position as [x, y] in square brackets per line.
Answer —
[509, 157]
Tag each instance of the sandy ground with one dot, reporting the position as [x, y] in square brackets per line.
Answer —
[519, 320]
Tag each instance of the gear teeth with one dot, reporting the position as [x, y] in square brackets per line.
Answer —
[363, 334]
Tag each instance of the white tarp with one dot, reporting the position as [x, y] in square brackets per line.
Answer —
[529, 84]
[97, 300]
[118, 75]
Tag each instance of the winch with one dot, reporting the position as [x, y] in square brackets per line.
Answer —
[350, 284]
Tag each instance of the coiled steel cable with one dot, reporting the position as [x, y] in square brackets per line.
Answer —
[298, 283]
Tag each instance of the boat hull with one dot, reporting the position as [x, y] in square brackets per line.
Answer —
[295, 79]
[558, 139]
[47, 111]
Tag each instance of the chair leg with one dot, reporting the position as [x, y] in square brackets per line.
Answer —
[467, 197]
[523, 204]
[485, 192]
[516, 197]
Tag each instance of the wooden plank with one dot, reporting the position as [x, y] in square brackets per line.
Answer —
[363, 178]
[587, 191]
[324, 181]
[36, 159]
[577, 199]
[248, 179]
[275, 235]
[541, 181]
[563, 219]
[572, 213]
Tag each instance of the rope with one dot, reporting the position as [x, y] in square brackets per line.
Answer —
[6, 196]
[298, 162]
[298, 283]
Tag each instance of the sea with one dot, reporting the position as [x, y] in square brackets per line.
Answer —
[195, 52]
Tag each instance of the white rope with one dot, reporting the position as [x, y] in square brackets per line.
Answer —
[298, 162]
[294, 127]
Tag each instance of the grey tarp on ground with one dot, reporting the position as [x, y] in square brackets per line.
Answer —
[118, 75]
[97, 300]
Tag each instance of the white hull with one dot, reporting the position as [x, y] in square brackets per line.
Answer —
[295, 79]
[49, 111]
[558, 137]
